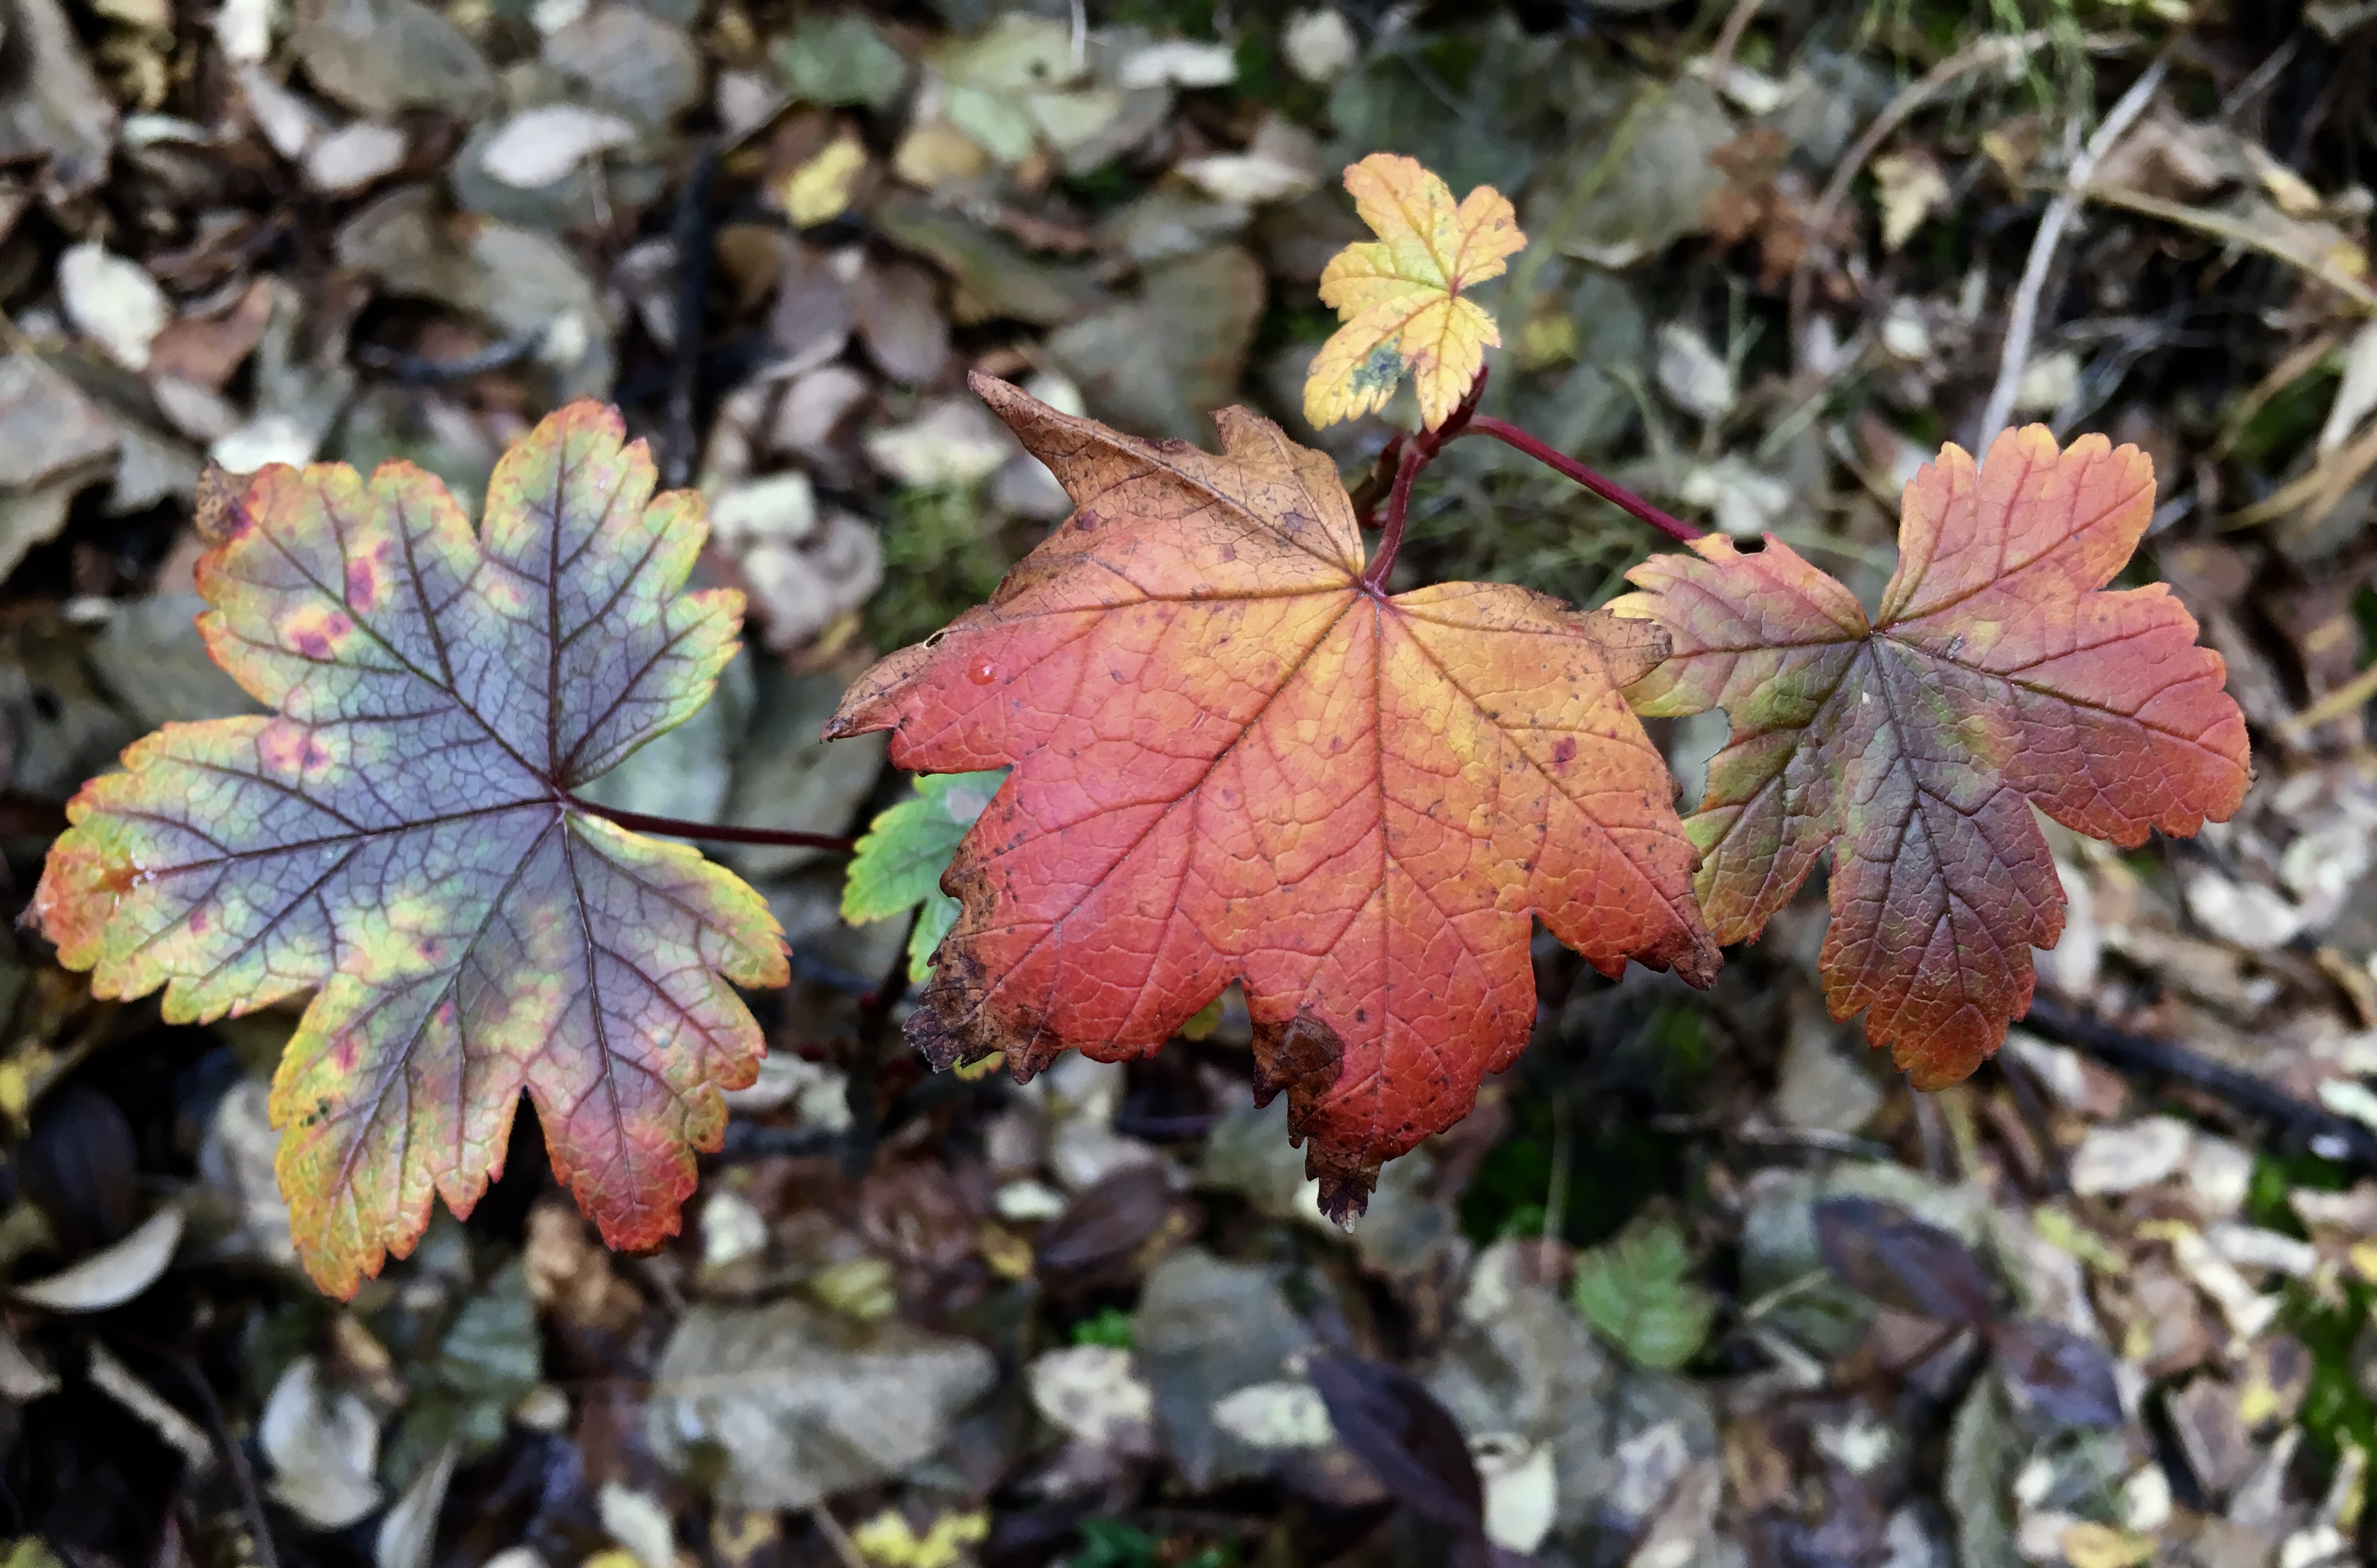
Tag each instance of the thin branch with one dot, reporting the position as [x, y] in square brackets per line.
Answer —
[243, 1474]
[865, 1130]
[1720, 60]
[2353, 694]
[2024, 322]
[1371, 493]
[421, 370]
[1615, 494]
[844, 1549]
[670, 827]
[2329, 1135]
[2271, 240]
[1418, 451]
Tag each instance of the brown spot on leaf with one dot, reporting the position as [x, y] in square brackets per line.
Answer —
[1302, 1056]
[223, 513]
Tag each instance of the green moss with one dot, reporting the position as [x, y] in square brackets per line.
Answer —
[1110, 1543]
[2364, 610]
[942, 554]
[2337, 1409]
[2282, 425]
[1110, 1326]
[1612, 1172]
[2276, 1174]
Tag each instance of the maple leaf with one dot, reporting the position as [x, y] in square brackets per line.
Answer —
[1234, 759]
[400, 834]
[1998, 673]
[1402, 296]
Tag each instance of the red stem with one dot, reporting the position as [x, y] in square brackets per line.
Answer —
[1615, 495]
[1414, 458]
[1420, 452]
[780, 838]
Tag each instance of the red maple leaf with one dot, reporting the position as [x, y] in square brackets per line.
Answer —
[2000, 673]
[1234, 759]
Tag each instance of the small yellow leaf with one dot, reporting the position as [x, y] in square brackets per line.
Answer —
[820, 190]
[864, 1289]
[890, 1541]
[1400, 297]
[1009, 1255]
[2089, 1545]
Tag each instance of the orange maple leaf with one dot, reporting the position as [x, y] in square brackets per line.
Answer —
[1234, 759]
[1998, 673]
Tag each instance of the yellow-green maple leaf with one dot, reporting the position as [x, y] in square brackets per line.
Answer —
[1403, 296]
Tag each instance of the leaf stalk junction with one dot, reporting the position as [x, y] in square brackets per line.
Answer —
[1406, 456]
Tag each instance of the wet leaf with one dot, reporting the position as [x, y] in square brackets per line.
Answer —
[1105, 1230]
[401, 834]
[2055, 1372]
[1389, 1420]
[802, 1404]
[838, 59]
[1402, 296]
[1999, 674]
[1635, 1290]
[1888, 1256]
[1233, 761]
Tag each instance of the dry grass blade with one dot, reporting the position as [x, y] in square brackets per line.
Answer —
[2237, 231]
[2024, 320]
[2320, 492]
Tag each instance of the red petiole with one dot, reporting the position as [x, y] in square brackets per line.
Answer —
[1615, 494]
[1411, 454]
[1406, 455]
[781, 838]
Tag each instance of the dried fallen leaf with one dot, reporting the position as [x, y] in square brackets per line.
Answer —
[1402, 296]
[114, 1276]
[113, 302]
[2000, 673]
[539, 146]
[1235, 760]
[1888, 1256]
[323, 1445]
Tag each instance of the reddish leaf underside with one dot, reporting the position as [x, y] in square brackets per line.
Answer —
[397, 835]
[1998, 673]
[1232, 761]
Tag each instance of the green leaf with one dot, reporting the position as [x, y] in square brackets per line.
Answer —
[489, 1358]
[1634, 1292]
[840, 61]
[898, 863]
